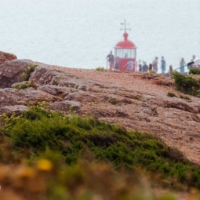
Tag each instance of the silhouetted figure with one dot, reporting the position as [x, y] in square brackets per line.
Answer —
[117, 66]
[155, 64]
[182, 66]
[140, 67]
[110, 59]
[163, 65]
[150, 68]
[145, 67]
[170, 70]
[191, 64]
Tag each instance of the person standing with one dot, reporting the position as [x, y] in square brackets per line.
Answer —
[155, 65]
[145, 67]
[130, 65]
[163, 65]
[117, 65]
[150, 68]
[110, 59]
[140, 66]
[170, 71]
[193, 59]
[182, 66]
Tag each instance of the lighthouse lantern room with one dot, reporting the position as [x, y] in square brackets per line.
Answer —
[125, 53]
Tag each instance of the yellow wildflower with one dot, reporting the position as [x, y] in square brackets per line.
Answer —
[44, 165]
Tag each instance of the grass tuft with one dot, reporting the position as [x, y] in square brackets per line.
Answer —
[113, 100]
[171, 94]
[100, 69]
[26, 75]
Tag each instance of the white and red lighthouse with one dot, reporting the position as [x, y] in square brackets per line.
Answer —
[125, 51]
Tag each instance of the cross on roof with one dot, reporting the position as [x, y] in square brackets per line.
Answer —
[125, 24]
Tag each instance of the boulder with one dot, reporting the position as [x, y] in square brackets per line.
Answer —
[65, 106]
[10, 96]
[12, 72]
[16, 109]
[46, 75]
[6, 56]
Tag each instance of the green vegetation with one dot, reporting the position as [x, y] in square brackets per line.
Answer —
[76, 138]
[23, 86]
[171, 94]
[100, 69]
[187, 84]
[113, 100]
[194, 70]
[26, 75]
[184, 97]
[60, 71]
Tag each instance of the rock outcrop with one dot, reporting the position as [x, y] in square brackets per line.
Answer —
[28, 97]
[134, 101]
[6, 57]
[12, 72]
[16, 109]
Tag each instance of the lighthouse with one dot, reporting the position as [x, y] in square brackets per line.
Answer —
[125, 53]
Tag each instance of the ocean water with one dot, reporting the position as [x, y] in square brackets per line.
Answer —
[80, 33]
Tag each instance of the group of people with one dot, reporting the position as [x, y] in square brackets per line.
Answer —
[143, 67]
[153, 67]
[114, 63]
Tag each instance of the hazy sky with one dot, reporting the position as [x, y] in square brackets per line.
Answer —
[80, 33]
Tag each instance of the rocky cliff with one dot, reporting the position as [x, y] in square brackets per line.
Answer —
[135, 101]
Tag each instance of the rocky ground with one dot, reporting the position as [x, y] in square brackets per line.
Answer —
[140, 101]
[133, 100]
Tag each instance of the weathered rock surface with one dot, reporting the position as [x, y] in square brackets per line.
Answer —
[135, 101]
[11, 97]
[50, 75]
[11, 72]
[55, 90]
[17, 109]
[65, 106]
[6, 56]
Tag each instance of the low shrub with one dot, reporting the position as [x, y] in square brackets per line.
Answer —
[26, 75]
[38, 130]
[171, 94]
[23, 86]
[187, 84]
[184, 97]
[100, 69]
[194, 70]
[113, 100]
[26, 84]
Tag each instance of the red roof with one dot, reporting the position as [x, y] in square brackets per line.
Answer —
[126, 44]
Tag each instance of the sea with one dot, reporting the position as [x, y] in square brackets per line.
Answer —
[81, 33]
